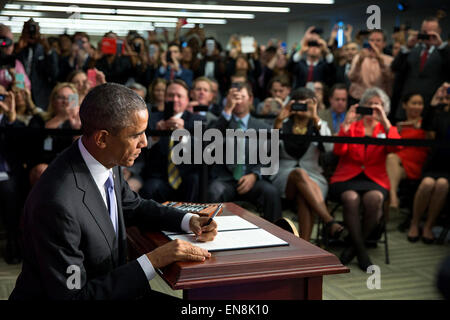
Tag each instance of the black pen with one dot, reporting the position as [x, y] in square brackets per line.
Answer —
[214, 214]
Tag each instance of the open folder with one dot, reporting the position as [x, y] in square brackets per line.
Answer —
[233, 233]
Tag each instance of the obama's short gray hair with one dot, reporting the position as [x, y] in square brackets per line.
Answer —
[110, 107]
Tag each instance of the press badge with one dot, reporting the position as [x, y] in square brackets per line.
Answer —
[48, 144]
[381, 135]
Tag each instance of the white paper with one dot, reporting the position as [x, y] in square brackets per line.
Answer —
[4, 176]
[247, 44]
[225, 223]
[232, 240]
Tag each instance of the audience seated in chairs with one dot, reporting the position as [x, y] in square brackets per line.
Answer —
[234, 182]
[361, 177]
[420, 67]
[61, 114]
[407, 163]
[433, 189]
[163, 180]
[300, 176]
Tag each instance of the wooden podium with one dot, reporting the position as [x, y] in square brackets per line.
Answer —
[291, 272]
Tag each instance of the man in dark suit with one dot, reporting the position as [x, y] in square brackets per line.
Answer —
[74, 220]
[163, 180]
[422, 65]
[232, 182]
[313, 62]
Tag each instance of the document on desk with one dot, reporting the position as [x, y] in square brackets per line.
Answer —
[234, 234]
[226, 223]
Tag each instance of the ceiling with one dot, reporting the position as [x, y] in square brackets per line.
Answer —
[350, 11]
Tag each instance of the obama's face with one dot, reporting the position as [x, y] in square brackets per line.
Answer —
[125, 146]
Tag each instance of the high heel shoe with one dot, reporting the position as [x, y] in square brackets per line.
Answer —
[428, 240]
[416, 238]
[347, 255]
[364, 261]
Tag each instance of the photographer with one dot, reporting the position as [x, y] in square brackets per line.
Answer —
[40, 62]
[171, 68]
[143, 72]
[371, 67]
[313, 62]
[361, 176]
[300, 176]
[423, 64]
[79, 57]
[9, 65]
[115, 65]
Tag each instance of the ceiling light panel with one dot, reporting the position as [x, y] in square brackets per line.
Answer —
[170, 5]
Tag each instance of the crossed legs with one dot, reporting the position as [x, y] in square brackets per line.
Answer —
[309, 199]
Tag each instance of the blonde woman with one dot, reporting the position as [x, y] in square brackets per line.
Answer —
[25, 106]
[62, 113]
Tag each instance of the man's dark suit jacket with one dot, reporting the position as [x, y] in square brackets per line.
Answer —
[156, 158]
[435, 72]
[341, 77]
[66, 222]
[224, 172]
[323, 72]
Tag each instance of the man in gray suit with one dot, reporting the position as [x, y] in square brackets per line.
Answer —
[232, 182]
[422, 65]
[74, 235]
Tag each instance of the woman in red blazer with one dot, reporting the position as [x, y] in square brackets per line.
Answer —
[361, 176]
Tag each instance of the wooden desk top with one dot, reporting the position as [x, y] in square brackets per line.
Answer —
[298, 260]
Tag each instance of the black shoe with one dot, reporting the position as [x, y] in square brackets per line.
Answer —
[416, 238]
[364, 262]
[413, 239]
[347, 255]
[428, 240]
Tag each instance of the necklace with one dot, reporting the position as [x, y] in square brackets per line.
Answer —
[298, 129]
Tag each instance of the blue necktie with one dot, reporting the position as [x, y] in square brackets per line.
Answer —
[111, 199]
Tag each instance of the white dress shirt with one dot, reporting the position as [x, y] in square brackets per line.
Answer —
[100, 174]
